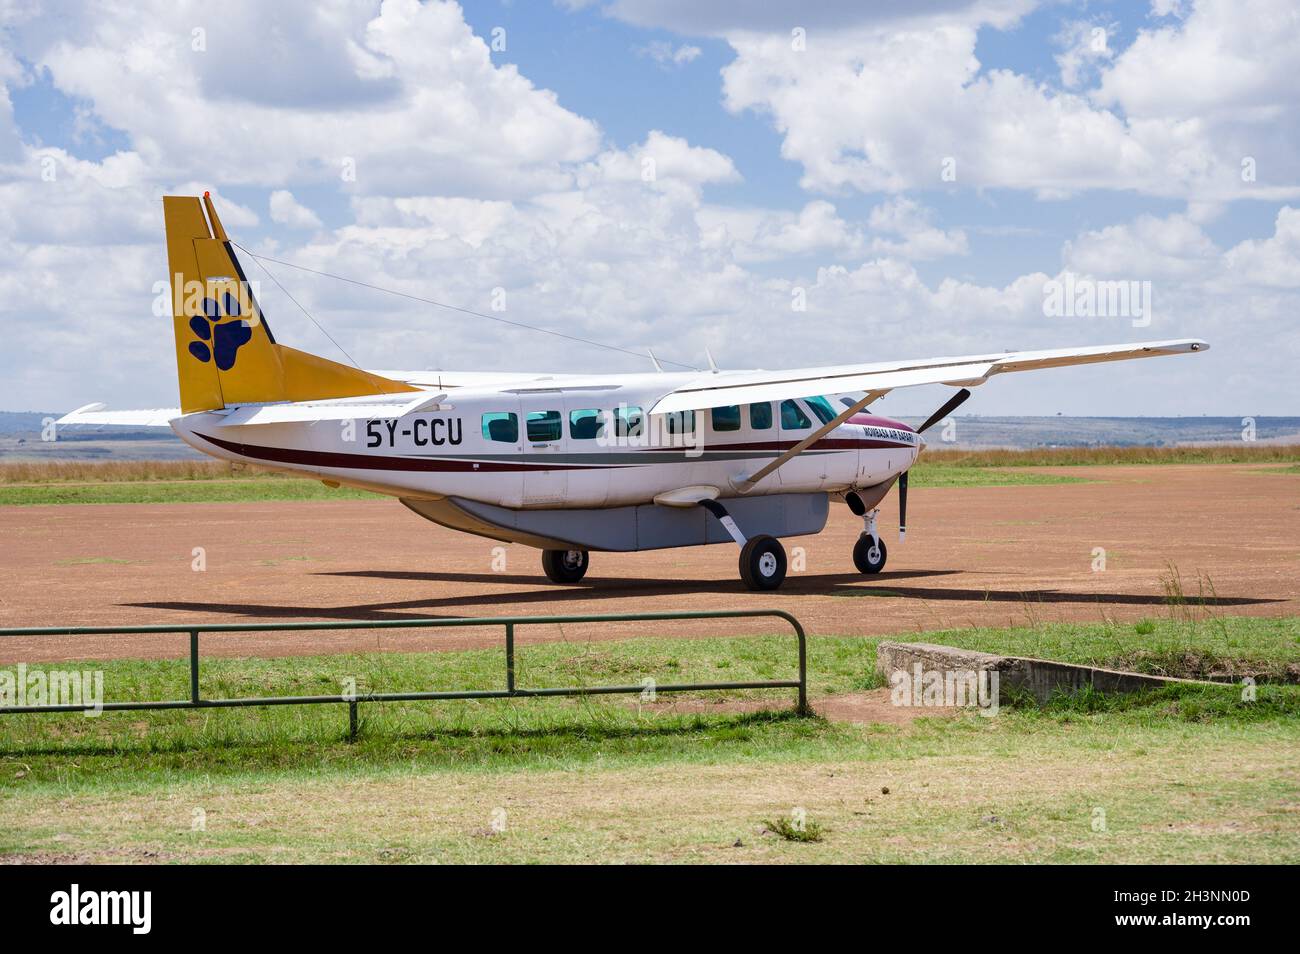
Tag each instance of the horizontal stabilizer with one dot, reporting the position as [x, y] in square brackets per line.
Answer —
[94, 414]
[349, 410]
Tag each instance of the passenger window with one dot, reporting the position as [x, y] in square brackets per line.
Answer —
[726, 418]
[543, 426]
[680, 422]
[501, 426]
[822, 408]
[792, 418]
[628, 421]
[760, 416]
[586, 425]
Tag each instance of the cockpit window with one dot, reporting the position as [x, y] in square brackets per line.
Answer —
[822, 408]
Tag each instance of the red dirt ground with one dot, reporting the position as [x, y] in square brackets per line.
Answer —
[975, 556]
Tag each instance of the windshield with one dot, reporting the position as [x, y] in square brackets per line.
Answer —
[822, 408]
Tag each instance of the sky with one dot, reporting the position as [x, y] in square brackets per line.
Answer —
[785, 183]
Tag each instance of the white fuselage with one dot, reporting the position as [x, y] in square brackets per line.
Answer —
[569, 442]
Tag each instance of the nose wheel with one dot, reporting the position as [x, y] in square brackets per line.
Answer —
[565, 566]
[869, 552]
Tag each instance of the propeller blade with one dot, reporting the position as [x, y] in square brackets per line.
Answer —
[954, 402]
[902, 506]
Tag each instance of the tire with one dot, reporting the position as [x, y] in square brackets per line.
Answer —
[863, 554]
[565, 566]
[762, 563]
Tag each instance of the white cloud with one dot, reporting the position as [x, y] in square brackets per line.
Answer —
[1148, 248]
[662, 161]
[289, 212]
[264, 103]
[692, 17]
[880, 106]
[1085, 45]
[1273, 262]
[669, 56]
[913, 235]
[764, 235]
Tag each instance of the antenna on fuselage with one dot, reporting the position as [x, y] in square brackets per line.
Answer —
[655, 361]
[713, 365]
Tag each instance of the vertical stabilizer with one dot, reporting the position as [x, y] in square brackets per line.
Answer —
[225, 352]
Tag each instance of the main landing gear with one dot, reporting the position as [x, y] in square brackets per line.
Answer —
[565, 566]
[762, 558]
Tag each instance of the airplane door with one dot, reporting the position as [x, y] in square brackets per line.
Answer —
[807, 471]
[545, 446]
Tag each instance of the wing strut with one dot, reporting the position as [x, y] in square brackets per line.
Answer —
[746, 485]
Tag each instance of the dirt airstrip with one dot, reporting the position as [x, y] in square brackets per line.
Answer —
[973, 556]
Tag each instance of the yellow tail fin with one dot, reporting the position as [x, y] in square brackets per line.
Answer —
[225, 352]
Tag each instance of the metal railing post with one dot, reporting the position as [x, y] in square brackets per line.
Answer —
[194, 666]
[802, 708]
[510, 657]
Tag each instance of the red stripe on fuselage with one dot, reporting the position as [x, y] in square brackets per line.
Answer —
[309, 458]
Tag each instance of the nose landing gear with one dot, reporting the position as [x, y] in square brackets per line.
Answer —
[869, 553]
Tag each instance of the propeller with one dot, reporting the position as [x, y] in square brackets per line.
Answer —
[902, 506]
[954, 402]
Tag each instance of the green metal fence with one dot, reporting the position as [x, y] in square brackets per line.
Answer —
[511, 690]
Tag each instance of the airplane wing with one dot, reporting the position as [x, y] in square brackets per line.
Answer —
[744, 387]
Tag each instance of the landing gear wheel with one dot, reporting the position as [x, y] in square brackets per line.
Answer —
[565, 566]
[762, 563]
[869, 554]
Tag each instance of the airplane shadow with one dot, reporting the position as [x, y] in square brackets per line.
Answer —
[825, 584]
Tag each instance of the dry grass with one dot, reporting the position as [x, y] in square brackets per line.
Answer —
[1238, 453]
[1206, 799]
[122, 471]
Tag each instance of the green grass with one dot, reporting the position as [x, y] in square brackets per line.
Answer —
[74, 749]
[227, 490]
[604, 778]
[926, 474]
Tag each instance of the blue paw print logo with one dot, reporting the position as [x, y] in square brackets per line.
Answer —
[221, 339]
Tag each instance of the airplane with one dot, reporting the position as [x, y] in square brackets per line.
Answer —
[567, 463]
